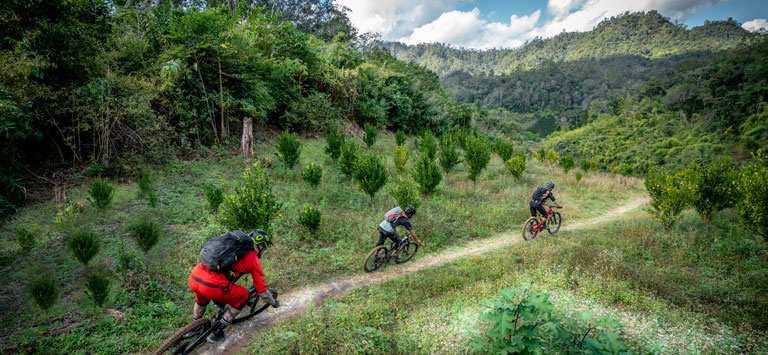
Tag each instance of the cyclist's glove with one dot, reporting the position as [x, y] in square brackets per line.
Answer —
[269, 298]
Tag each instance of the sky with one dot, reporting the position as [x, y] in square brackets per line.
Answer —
[485, 24]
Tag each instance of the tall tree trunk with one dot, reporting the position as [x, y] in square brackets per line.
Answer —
[224, 123]
[247, 139]
[207, 104]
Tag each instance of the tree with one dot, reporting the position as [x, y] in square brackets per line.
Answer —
[477, 155]
[370, 173]
[427, 174]
[449, 156]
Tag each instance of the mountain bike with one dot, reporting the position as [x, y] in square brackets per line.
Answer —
[381, 255]
[533, 225]
[193, 334]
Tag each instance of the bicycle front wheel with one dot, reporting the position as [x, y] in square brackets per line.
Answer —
[376, 258]
[554, 223]
[188, 334]
[529, 228]
[407, 252]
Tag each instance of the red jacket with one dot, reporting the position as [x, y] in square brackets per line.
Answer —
[248, 264]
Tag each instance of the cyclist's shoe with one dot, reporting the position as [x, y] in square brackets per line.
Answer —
[215, 337]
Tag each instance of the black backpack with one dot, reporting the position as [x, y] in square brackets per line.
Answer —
[219, 254]
[539, 194]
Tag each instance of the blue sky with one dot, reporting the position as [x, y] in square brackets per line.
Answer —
[487, 24]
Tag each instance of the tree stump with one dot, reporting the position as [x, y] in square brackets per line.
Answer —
[247, 140]
[60, 194]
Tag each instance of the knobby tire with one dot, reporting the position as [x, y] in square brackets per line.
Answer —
[528, 233]
[407, 252]
[377, 257]
[554, 223]
[179, 336]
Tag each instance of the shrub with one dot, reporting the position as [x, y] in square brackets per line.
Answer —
[310, 113]
[404, 192]
[312, 174]
[84, 245]
[427, 174]
[552, 157]
[289, 149]
[266, 162]
[578, 175]
[753, 189]
[251, 205]
[712, 186]
[516, 167]
[348, 157]
[369, 137]
[309, 218]
[215, 197]
[44, 291]
[401, 158]
[504, 148]
[449, 156]
[370, 173]
[146, 232]
[334, 139]
[97, 288]
[101, 192]
[428, 145]
[152, 199]
[145, 183]
[26, 240]
[400, 137]
[566, 161]
[587, 165]
[669, 195]
[66, 216]
[476, 155]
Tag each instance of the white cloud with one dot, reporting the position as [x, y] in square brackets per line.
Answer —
[395, 18]
[560, 8]
[467, 29]
[757, 24]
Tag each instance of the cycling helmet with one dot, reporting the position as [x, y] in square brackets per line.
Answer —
[550, 185]
[260, 237]
[410, 210]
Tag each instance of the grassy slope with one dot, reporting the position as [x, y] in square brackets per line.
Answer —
[154, 296]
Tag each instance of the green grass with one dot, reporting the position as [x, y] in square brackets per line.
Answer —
[457, 212]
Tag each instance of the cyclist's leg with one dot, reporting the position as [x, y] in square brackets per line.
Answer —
[396, 238]
[382, 237]
[201, 302]
[541, 210]
[533, 208]
[235, 299]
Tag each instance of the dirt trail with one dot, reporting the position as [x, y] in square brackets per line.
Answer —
[298, 301]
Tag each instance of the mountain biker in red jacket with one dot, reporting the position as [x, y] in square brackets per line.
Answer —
[539, 196]
[213, 286]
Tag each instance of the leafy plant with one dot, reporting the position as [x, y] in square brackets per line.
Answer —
[428, 145]
[97, 288]
[449, 156]
[504, 148]
[334, 140]
[566, 161]
[251, 205]
[369, 137]
[404, 192]
[83, 245]
[145, 183]
[288, 149]
[348, 158]
[587, 165]
[578, 175]
[669, 195]
[152, 199]
[552, 157]
[146, 232]
[215, 197]
[753, 189]
[44, 291]
[516, 166]
[26, 240]
[101, 193]
[312, 174]
[401, 158]
[370, 173]
[476, 155]
[309, 218]
[427, 174]
[400, 137]
[712, 186]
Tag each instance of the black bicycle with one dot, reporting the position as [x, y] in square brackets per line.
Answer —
[381, 255]
[193, 334]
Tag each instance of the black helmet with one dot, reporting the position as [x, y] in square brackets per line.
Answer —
[410, 210]
[550, 185]
[260, 237]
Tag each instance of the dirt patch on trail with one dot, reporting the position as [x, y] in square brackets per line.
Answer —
[298, 301]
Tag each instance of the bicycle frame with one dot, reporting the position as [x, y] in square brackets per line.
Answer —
[540, 227]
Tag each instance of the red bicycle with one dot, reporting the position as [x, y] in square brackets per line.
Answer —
[533, 225]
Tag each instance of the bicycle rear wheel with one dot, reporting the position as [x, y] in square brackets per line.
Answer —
[529, 231]
[184, 337]
[376, 258]
[554, 223]
[406, 252]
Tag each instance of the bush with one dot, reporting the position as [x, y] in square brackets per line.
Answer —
[753, 189]
[370, 173]
[476, 155]
[552, 157]
[101, 192]
[26, 240]
[712, 186]
[449, 156]
[289, 149]
[427, 174]
[567, 162]
[146, 232]
[401, 158]
[44, 291]
[516, 167]
[400, 137]
[504, 148]
[369, 137]
[145, 183]
[334, 140]
[428, 145]
[578, 175]
[312, 174]
[404, 192]
[251, 205]
[215, 197]
[311, 113]
[669, 195]
[97, 288]
[310, 218]
[266, 162]
[152, 199]
[84, 245]
[587, 165]
[348, 157]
